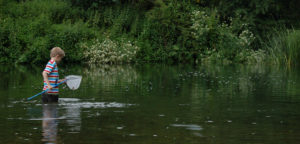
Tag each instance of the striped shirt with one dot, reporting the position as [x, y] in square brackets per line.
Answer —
[53, 76]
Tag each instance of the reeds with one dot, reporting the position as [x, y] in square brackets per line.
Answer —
[284, 47]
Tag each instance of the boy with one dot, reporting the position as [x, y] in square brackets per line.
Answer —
[51, 76]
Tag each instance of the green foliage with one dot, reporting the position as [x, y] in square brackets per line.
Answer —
[180, 32]
[68, 36]
[261, 15]
[215, 40]
[284, 47]
[29, 30]
[162, 30]
[108, 51]
[165, 32]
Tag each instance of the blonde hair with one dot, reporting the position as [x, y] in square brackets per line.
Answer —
[57, 51]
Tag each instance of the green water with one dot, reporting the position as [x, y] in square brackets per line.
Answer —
[154, 104]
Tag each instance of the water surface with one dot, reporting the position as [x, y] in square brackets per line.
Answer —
[181, 104]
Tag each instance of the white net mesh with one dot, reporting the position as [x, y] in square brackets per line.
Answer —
[73, 81]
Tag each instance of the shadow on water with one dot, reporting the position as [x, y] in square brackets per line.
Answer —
[154, 103]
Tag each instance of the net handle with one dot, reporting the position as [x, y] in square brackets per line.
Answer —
[46, 90]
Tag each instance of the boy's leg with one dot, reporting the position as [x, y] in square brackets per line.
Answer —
[48, 98]
[54, 98]
[45, 98]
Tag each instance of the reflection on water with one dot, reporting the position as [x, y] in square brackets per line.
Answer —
[50, 123]
[70, 113]
[73, 119]
[111, 74]
[188, 126]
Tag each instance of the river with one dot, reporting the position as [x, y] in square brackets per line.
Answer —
[154, 103]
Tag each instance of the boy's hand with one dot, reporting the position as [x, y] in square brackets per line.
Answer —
[50, 87]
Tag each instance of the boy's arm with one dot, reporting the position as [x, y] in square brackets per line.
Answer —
[45, 76]
[61, 80]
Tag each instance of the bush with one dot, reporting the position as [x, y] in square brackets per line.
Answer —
[29, 30]
[163, 30]
[109, 51]
[68, 36]
[165, 33]
[212, 36]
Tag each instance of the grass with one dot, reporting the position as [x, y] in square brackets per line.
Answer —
[284, 47]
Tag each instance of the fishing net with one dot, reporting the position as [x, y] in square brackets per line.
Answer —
[73, 81]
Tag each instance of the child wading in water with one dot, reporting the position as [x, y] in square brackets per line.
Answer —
[51, 76]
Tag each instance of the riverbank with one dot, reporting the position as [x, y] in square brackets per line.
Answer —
[115, 32]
